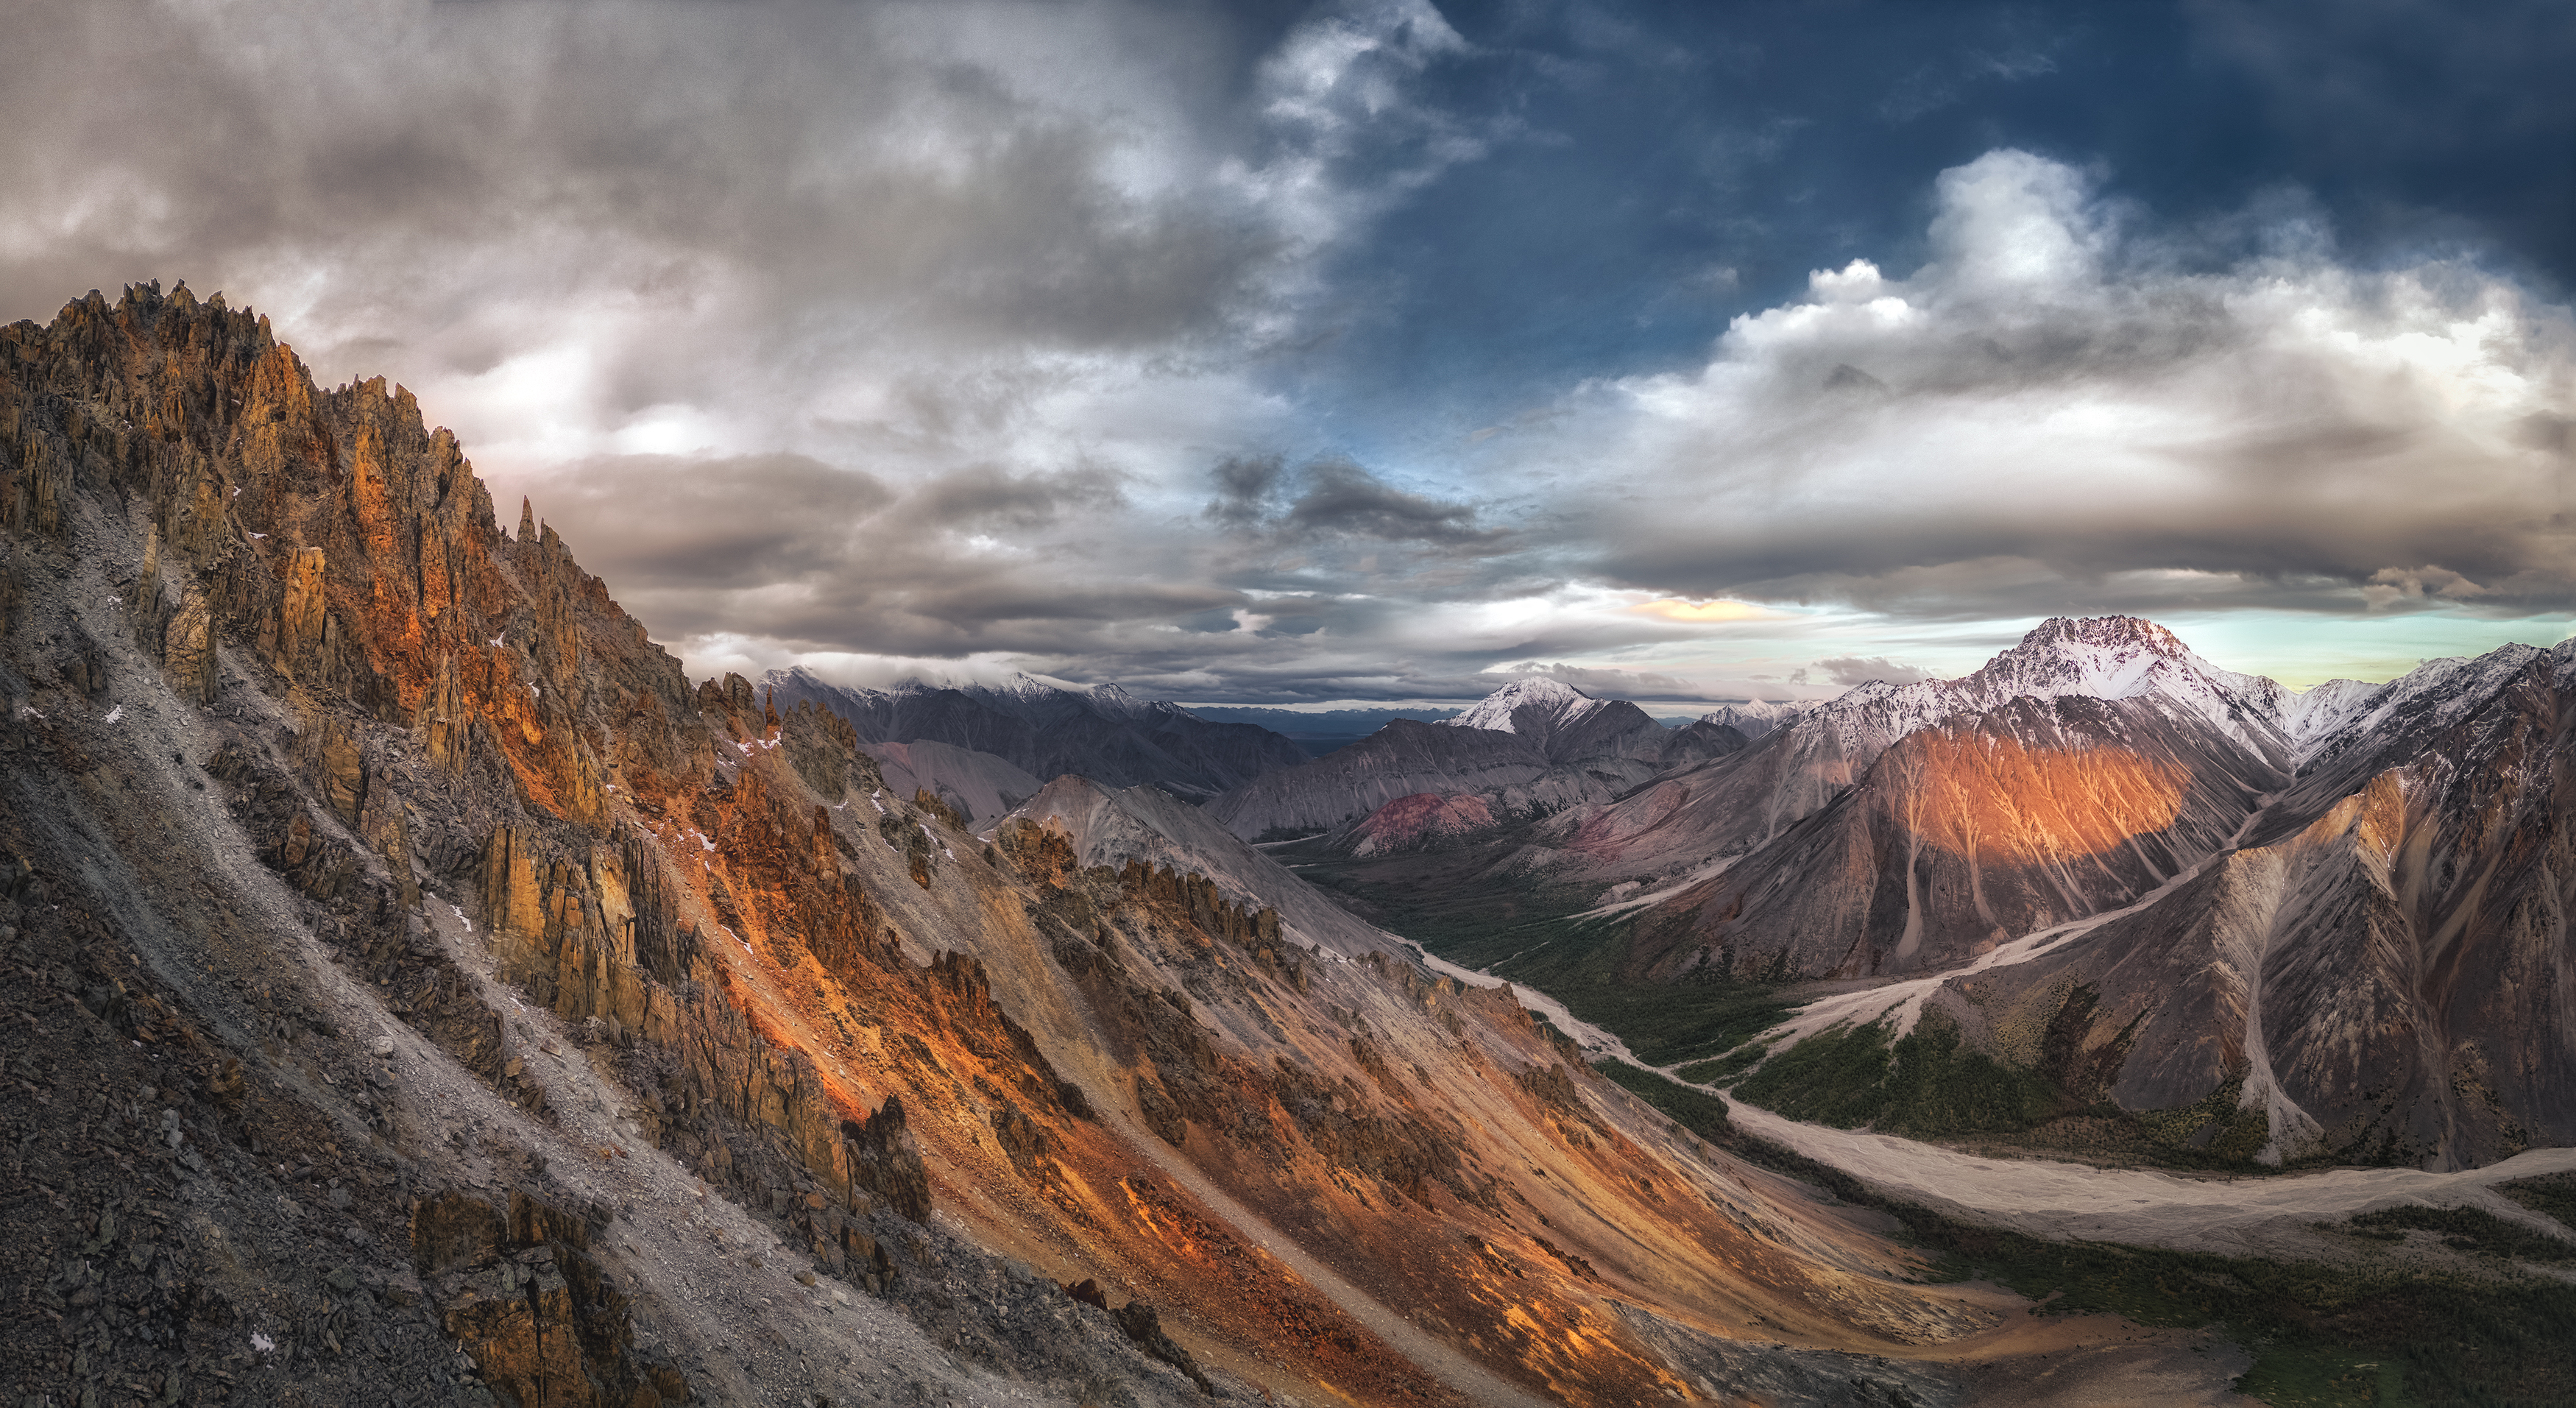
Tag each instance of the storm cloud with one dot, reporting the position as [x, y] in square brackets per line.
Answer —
[1378, 350]
[2053, 414]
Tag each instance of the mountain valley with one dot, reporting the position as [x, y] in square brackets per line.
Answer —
[2118, 891]
[420, 991]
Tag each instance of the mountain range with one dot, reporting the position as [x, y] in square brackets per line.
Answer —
[421, 992]
[1321, 731]
[1046, 730]
[1533, 746]
[2320, 926]
[1922, 834]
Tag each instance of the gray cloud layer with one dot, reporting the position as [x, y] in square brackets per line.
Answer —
[881, 335]
[2050, 407]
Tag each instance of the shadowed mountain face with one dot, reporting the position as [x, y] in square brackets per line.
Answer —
[1530, 748]
[406, 960]
[1103, 733]
[979, 787]
[1401, 760]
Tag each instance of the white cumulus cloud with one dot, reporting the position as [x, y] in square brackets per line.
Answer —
[2060, 412]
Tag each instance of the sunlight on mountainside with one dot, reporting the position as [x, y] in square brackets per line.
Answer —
[1991, 799]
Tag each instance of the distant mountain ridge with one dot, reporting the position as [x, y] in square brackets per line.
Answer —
[1535, 745]
[1754, 717]
[1103, 733]
[1297, 722]
[978, 786]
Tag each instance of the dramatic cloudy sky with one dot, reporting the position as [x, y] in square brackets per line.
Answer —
[1301, 352]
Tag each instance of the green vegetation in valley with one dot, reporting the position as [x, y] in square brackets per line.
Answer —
[2472, 1230]
[1928, 1082]
[2340, 1334]
[1279, 835]
[2227, 1133]
[1661, 1022]
[2319, 1333]
[2550, 1195]
[1932, 1083]
[1698, 1111]
[1729, 1068]
[1529, 935]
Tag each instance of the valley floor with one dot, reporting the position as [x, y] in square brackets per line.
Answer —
[2257, 1214]
[2143, 1207]
[2351, 1285]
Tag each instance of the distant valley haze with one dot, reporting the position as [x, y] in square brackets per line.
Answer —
[1366, 355]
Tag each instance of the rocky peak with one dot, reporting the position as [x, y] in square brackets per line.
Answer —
[1754, 717]
[2113, 632]
[2123, 657]
[1552, 704]
[1114, 701]
[2103, 657]
[2108, 657]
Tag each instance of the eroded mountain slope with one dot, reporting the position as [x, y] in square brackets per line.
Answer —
[2380, 972]
[1964, 834]
[660, 1051]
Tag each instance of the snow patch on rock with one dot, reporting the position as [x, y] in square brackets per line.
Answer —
[1553, 700]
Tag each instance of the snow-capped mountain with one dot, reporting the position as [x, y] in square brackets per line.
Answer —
[1535, 706]
[2106, 657]
[1754, 717]
[2324, 711]
[2114, 657]
[1566, 724]
[2377, 958]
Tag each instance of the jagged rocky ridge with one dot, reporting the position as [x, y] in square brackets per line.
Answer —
[1753, 718]
[421, 994]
